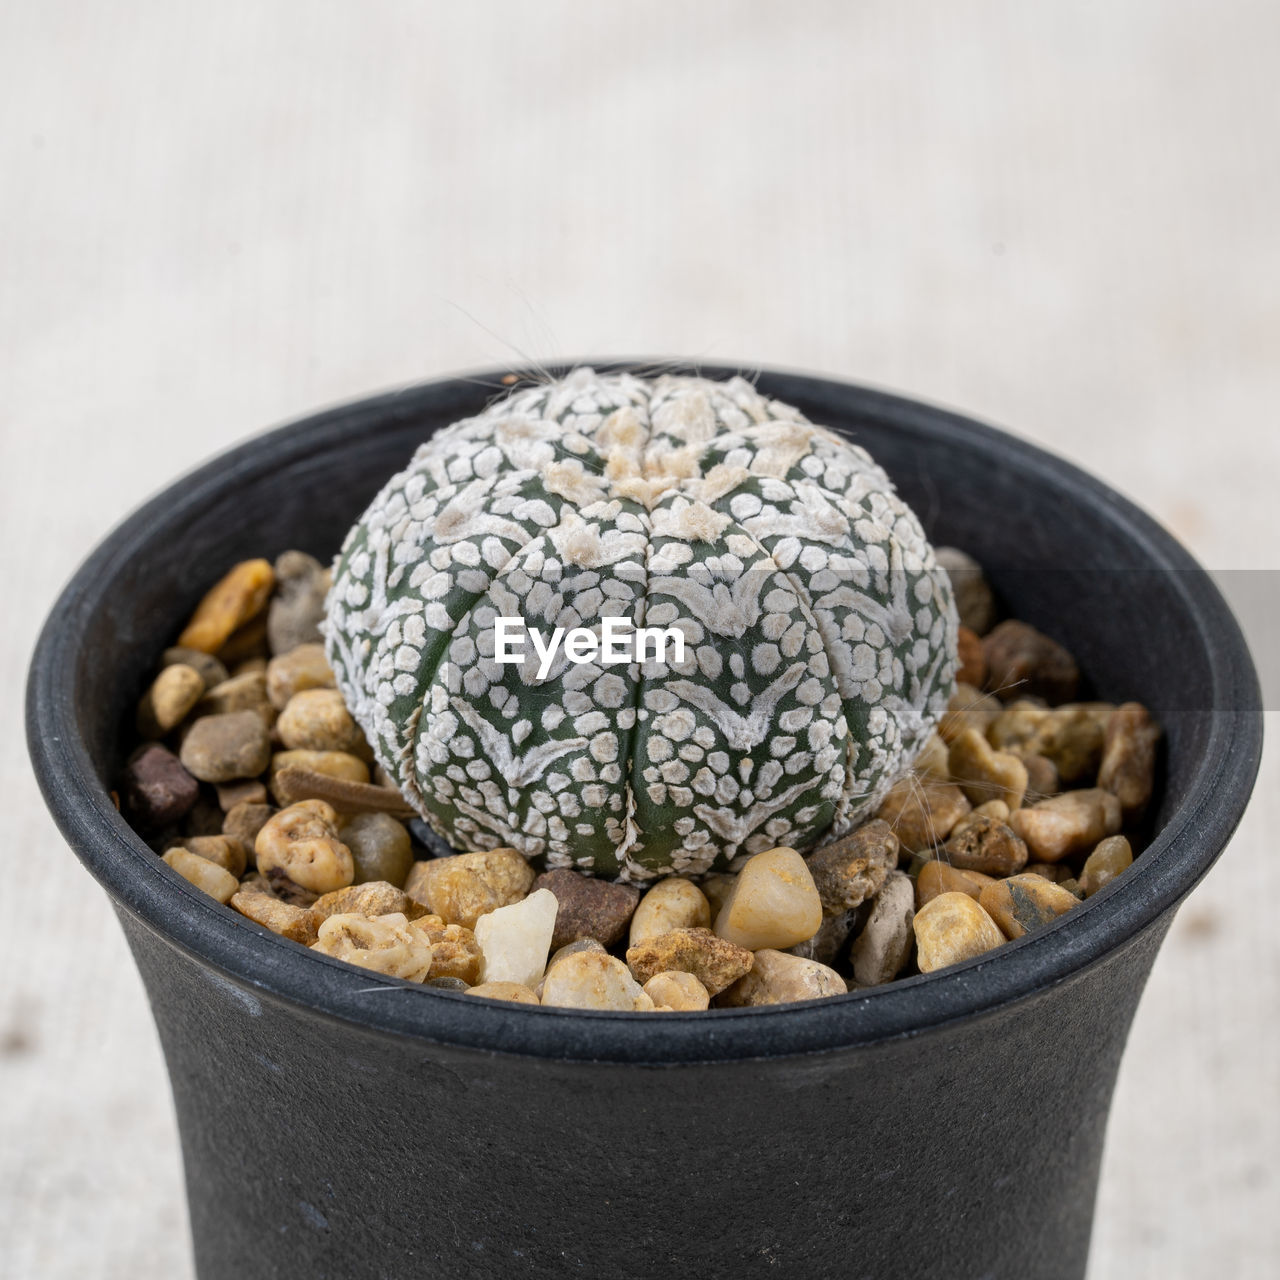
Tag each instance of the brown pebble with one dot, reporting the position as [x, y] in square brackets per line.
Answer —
[245, 647]
[988, 846]
[937, 877]
[301, 842]
[1016, 724]
[974, 602]
[1022, 903]
[1129, 758]
[373, 898]
[512, 992]
[953, 928]
[1055, 871]
[231, 602]
[172, 695]
[247, 692]
[245, 820]
[455, 951]
[211, 670]
[220, 748]
[972, 668]
[853, 868]
[779, 978]
[462, 888]
[984, 774]
[298, 607]
[156, 789]
[1022, 661]
[380, 846]
[921, 813]
[969, 708]
[300, 669]
[242, 791]
[1071, 737]
[318, 720]
[1066, 824]
[714, 961]
[676, 992]
[881, 950]
[588, 907]
[1042, 775]
[228, 852]
[1111, 856]
[333, 764]
[298, 924]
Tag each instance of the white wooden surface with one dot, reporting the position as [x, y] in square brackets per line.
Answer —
[1062, 217]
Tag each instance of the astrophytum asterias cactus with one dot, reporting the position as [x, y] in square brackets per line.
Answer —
[820, 634]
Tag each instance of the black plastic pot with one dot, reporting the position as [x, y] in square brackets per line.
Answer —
[340, 1124]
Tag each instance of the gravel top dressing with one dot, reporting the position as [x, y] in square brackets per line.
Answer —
[634, 694]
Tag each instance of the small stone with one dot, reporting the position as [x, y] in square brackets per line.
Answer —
[1055, 871]
[952, 928]
[228, 852]
[713, 960]
[1066, 824]
[589, 907]
[247, 692]
[455, 984]
[923, 813]
[318, 720]
[385, 944]
[302, 843]
[1042, 775]
[455, 951]
[172, 695]
[245, 646]
[1072, 886]
[302, 668]
[774, 904]
[674, 903]
[298, 607]
[374, 898]
[250, 666]
[996, 809]
[466, 886]
[156, 790]
[334, 764]
[1023, 661]
[380, 847]
[594, 980]
[676, 992]
[1016, 724]
[984, 774]
[244, 821]
[971, 666]
[1071, 737]
[778, 978]
[207, 876]
[1129, 758]
[1112, 856]
[204, 818]
[974, 601]
[241, 791]
[280, 886]
[988, 846]
[937, 877]
[298, 924]
[211, 670]
[512, 992]
[1022, 903]
[573, 949]
[236, 598]
[932, 761]
[833, 935]
[880, 952]
[222, 747]
[969, 708]
[515, 939]
[716, 887]
[852, 869]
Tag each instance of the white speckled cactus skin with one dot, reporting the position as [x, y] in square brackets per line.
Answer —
[820, 634]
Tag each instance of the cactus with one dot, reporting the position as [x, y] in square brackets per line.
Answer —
[820, 634]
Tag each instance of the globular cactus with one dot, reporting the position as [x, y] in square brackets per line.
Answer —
[820, 633]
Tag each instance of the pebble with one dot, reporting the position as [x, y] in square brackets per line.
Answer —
[302, 843]
[594, 980]
[1111, 856]
[228, 852]
[244, 821]
[380, 847]
[516, 939]
[774, 904]
[466, 886]
[230, 603]
[674, 991]
[211, 671]
[1042, 775]
[241, 791]
[952, 928]
[214, 880]
[156, 790]
[713, 960]
[971, 665]
[374, 898]
[166, 704]
[1022, 903]
[219, 748]
[778, 978]
[674, 903]
[1055, 871]
[1071, 737]
[572, 949]
[318, 720]
[512, 992]
[298, 924]
[298, 606]
[715, 888]
[987, 845]
[1016, 725]
[996, 809]
[923, 813]
[246, 649]
[455, 951]
[334, 764]
[302, 668]
[1129, 758]
[880, 952]
[974, 602]
[985, 774]
[1022, 661]
[449, 984]
[932, 760]
[246, 692]
[937, 877]
[589, 907]
[1067, 824]
[385, 944]
[833, 934]
[969, 708]
[852, 869]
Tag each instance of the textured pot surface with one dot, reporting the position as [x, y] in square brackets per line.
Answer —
[338, 1123]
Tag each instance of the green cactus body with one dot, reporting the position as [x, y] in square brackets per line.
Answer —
[820, 635]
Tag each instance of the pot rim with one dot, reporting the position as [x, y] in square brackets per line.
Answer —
[268, 965]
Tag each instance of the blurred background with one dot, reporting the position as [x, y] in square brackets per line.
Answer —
[1059, 217]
